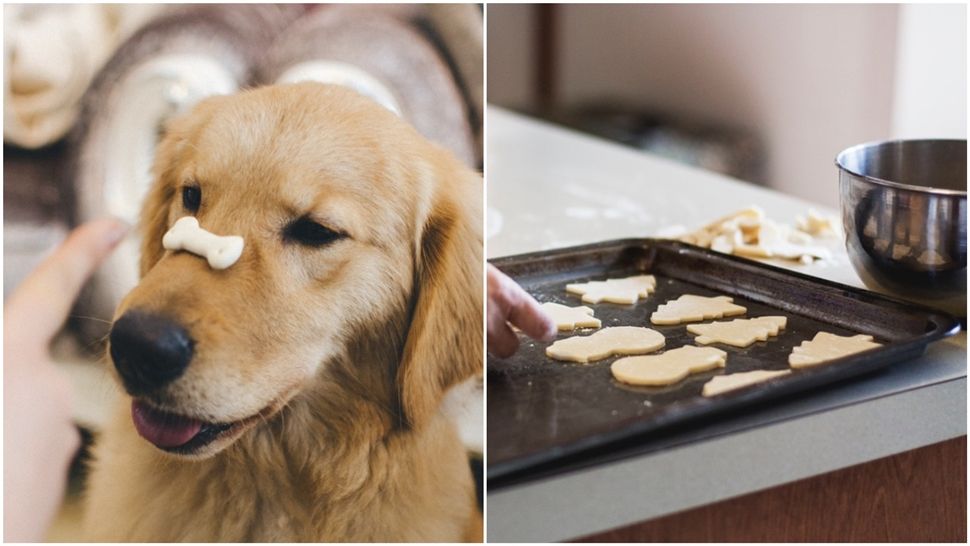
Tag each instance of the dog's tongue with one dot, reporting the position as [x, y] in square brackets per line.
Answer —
[163, 429]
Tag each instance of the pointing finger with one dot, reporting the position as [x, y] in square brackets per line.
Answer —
[46, 296]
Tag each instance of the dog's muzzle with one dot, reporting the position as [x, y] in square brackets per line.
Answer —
[149, 351]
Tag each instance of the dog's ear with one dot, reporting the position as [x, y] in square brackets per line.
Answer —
[444, 342]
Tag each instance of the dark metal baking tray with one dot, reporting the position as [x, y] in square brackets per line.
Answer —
[540, 410]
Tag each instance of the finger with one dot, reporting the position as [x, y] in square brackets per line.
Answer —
[46, 296]
[502, 341]
[527, 315]
[518, 307]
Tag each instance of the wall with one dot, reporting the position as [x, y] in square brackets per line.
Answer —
[510, 56]
[931, 73]
[810, 80]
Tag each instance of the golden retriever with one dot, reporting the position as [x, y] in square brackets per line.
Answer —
[294, 396]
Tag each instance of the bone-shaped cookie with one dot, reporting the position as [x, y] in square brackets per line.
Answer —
[220, 251]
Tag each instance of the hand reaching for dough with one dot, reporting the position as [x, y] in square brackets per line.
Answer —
[39, 438]
[508, 304]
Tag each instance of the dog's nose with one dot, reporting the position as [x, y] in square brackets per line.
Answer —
[149, 351]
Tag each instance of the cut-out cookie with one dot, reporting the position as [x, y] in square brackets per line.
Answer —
[690, 308]
[627, 290]
[667, 368]
[616, 340]
[569, 318]
[825, 347]
[739, 332]
[730, 382]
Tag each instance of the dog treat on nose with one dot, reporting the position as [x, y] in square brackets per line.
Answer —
[220, 251]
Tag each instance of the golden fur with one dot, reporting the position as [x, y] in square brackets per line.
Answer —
[339, 355]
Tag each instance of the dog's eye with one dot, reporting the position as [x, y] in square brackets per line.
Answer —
[309, 233]
[191, 198]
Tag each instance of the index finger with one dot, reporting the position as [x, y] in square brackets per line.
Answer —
[527, 315]
[44, 299]
[524, 312]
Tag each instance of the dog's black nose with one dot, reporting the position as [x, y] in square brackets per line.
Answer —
[149, 351]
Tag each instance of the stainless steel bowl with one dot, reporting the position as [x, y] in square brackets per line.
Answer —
[904, 210]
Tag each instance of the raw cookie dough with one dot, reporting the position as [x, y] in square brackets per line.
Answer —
[619, 340]
[667, 368]
[570, 318]
[704, 236]
[730, 382]
[749, 233]
[825, 347]
[817, 224]
[627, 290]
[690, 308]
[739, 332]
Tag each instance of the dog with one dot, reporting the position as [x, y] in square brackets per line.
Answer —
[294, 396]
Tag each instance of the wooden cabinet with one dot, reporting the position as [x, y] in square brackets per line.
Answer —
[916, 496]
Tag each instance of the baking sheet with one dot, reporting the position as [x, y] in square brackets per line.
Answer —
[540, 410]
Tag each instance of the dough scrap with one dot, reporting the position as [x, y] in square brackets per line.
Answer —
[570, 318]
[749, 233]
[691, 308]
[739, 332]
[768, 239]
[825, 347]
[817, 224]
[621, 340]
[627, 290]
[667, 368]
[706, 234]
[730, 382]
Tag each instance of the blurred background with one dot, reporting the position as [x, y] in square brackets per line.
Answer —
[88, 89]
[765, 93]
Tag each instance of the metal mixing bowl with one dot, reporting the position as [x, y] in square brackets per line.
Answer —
[904, 210]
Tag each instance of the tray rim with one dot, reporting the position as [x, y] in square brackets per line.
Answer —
[943, 325]
[945, 317]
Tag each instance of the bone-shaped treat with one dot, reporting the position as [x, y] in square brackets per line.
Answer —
[220, 251]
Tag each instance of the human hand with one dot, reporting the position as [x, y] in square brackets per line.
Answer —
[509, 303]
[39, 438]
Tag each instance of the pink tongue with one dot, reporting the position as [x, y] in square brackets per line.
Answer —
[163, 429]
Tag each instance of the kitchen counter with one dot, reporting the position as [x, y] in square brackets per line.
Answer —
[549, 187]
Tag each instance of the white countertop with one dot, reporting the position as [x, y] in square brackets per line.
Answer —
[549, 187]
